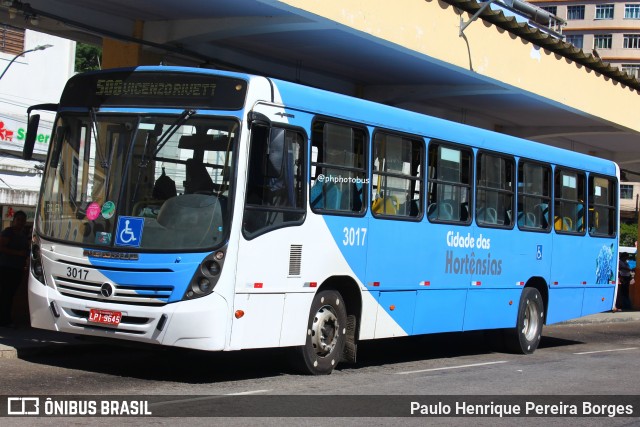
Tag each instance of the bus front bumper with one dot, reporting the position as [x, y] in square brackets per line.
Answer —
[199, 324]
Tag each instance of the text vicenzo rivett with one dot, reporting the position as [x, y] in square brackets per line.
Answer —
[119, 87]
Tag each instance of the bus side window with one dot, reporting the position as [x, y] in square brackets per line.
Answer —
[338, 168]
[534, 196]
[275, 181]
[494, 190]
[448, 183]
[569, 201]
[397, 168]
[602, 206]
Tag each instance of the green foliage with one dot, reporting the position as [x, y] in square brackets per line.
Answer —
[87, 57]
[628, 234]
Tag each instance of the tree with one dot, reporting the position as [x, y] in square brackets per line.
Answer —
[87, 57]
[628, 234]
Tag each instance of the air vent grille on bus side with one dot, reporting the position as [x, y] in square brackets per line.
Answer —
[295, 260]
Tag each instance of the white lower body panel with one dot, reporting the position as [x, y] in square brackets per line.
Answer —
[199, 324]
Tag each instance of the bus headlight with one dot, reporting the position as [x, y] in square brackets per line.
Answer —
[213, 268]
[36, 261]
[199, 287]
[206, 277]
[204, 285]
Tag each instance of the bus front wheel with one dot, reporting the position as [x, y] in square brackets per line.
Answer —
[524, 339]
[326, 334]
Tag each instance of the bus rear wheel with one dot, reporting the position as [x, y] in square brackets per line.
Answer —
[524, 339]
[326, 334]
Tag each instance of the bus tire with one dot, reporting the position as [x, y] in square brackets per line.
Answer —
[525, 337]
[326, 334]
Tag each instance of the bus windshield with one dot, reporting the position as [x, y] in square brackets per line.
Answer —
[140, 182]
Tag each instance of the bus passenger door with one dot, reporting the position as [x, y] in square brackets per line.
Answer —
[273, 251]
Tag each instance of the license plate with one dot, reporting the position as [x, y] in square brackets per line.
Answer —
[106, 317]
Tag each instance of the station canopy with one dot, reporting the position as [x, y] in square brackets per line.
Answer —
[283, 40]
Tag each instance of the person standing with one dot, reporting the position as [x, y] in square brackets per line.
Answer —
[624, 275]
[14, 250]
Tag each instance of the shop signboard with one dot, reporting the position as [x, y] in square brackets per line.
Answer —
[13, 132]
[9, 210]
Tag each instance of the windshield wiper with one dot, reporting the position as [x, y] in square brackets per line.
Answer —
[186, 115]
[94, 127]
[104, 159]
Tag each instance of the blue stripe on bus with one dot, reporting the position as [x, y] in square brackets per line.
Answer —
[477, 273]
[171, 270]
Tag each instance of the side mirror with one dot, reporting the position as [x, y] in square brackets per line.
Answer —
[30, 139]
[32, 128]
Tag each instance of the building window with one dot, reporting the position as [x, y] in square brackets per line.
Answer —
[632, 11]
[577, 40]
[11, 40]
[631, 41]
[604, 11]
[602, 41]
[626, 191]
[575, 12]
[551, 9]
[631, 69]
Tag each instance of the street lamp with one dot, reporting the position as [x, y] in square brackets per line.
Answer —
[39, 47]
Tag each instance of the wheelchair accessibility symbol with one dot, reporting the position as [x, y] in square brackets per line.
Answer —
[129, 231]
[539, 252]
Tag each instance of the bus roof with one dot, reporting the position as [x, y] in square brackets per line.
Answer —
[379, 115]
[322, 102]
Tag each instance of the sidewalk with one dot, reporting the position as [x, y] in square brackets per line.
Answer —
[608, 316]
[26, 341]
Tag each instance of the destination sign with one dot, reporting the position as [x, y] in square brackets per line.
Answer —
[155, 89]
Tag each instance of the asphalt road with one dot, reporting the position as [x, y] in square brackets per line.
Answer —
[582, 360]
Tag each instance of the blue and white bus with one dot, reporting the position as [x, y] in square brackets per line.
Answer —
[223, 211]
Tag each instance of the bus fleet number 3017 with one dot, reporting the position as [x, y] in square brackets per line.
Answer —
[77, 273]
[354, 236]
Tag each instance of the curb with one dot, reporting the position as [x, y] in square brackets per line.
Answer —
[9, 352]
[16, 343]
[608, 317]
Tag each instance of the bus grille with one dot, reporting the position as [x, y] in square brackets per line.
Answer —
[151, 295]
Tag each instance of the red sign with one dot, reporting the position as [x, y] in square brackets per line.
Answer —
[5, 134]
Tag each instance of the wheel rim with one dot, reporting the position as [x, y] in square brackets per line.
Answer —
[531, 319]
[324, 331]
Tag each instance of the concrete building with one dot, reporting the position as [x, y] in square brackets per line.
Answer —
[610, 29]
[629, 201]
[29, 78]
